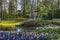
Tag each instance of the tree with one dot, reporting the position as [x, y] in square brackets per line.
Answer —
[1, 9]
[11, 8]
[4, 9]
[25, 7]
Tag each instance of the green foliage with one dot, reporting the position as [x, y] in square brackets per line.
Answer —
[47, 29]
[57, 13]
[56, 22]
[52, 14]
[19, 14]
[6, 28]
[44, 10]
[48, 16]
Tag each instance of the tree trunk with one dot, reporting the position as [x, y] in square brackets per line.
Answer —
[1, 9]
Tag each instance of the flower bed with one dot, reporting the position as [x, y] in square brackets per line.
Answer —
[9, 23]
[16, 19]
